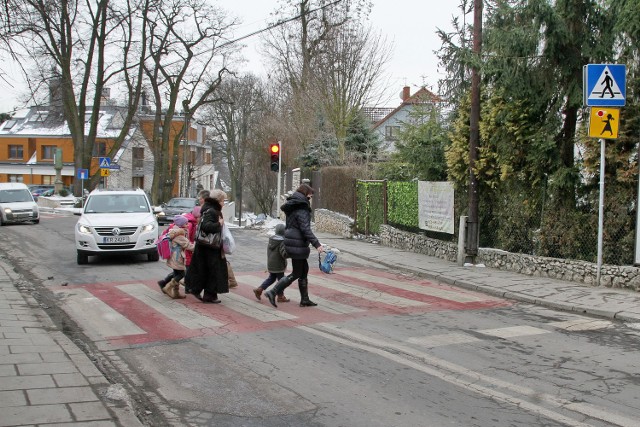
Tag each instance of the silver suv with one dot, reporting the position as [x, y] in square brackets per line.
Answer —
[116, 222]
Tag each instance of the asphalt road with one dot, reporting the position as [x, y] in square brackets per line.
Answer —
[381, 349]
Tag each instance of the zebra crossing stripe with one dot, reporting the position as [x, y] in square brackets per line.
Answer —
[367, 293]
[164, 305]
[456, 296]
[262, 312]
[323, 303]
[97, 318]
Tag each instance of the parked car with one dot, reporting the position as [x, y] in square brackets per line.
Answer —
[17, 204]
[175, 206]
[65, 191]
[37, 190]
[116, 222]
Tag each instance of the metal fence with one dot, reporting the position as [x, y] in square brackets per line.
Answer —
[526, 221]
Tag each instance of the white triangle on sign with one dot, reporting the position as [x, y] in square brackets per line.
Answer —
[104, 164]
[606, 87]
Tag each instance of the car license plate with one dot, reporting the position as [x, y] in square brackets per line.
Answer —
[119, 239]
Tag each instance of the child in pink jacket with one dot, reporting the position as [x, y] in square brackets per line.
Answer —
[180, 244]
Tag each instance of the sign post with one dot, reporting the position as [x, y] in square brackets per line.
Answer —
[105, 165]
[82, 175]
[604, 85]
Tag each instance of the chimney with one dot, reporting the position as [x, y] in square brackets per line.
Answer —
[406, 93]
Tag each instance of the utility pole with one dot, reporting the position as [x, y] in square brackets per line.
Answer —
[471, 248]
[184, 184]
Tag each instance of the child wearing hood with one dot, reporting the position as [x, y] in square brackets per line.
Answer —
[276, 263]
[178, 235]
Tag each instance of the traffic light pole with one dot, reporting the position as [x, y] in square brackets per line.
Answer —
[279, 181]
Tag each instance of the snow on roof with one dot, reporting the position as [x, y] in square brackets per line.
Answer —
[39, 121]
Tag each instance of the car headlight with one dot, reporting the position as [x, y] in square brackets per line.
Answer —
[161, 213]
[148, 227]
[84, 229]
[7, 210]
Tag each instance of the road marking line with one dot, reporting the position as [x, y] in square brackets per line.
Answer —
[466, 378]
[169, 308]
[442, 340]
[419, 289]
[323, 304]
[97, 318]
[582, 324]
[514, 331]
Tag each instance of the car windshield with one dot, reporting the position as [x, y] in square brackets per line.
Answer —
[116, 203]
[12, 196]
[181, 203]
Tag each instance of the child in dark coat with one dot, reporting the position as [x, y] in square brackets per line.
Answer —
[276, 263]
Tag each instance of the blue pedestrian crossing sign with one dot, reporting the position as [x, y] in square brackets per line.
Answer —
[105, 162]
[604, 85]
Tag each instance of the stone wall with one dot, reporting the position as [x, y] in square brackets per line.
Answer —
[335, 223]
[611, 276]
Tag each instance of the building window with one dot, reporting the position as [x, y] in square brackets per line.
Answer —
[15, 178]
[15, 152]
[48, 179]
[48, 152]
[391, 132]
[99, 149]
[208, 158]
[137, 155]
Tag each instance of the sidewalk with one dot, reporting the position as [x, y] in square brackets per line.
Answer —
[610, 303]
[45, 379]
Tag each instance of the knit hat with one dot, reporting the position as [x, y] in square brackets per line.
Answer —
[279, 230]
[196, 211]
[180, 221]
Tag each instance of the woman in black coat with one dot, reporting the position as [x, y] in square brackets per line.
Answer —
[208, 269]
[297, 237]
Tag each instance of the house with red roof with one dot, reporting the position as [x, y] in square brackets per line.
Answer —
[389, 126]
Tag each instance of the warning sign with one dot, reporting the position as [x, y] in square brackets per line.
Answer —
[604, 85]
[104, 172]
[604, 122]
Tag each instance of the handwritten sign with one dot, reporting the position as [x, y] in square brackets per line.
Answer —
[436, 206]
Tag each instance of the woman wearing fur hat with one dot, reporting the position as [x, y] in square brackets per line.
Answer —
[208, 269]
[179, 244]
[297, 237]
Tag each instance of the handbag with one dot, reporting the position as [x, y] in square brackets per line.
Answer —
[228, 242]
[212, 240]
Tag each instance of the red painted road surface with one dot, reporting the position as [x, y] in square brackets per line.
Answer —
[349, 293]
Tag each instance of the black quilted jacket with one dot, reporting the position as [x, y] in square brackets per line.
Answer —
[298, 234]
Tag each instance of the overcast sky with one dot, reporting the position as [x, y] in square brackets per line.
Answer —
[409, 24]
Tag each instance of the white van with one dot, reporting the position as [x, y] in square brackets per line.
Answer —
[17, 204]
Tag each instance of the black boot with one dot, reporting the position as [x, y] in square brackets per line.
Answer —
[278, 289]
[303, 284]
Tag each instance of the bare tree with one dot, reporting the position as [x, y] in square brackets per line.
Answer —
[184, 62]
[349, 71]
[234, 119]
[87, 46]
[328, 63]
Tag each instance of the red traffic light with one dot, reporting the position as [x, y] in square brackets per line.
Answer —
[275, 148]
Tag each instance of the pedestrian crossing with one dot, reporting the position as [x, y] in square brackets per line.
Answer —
[137, 312]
